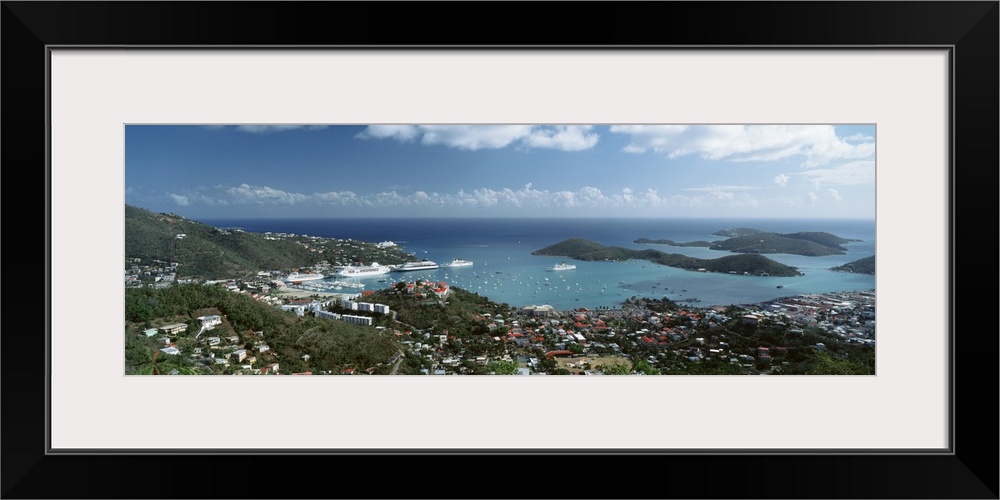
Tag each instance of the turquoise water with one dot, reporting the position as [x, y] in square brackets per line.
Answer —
[505, 271]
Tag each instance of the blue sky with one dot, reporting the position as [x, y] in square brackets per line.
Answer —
[251, 171]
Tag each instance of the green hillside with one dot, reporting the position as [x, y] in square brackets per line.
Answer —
[747, 240]
[860, 266]
[738, 232]
[825, 239]
[457, 313]
[743, 240]
[581, 249]
[331, 345]
[647, 241]
[210, 253]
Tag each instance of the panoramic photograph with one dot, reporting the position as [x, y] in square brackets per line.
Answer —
[673, 249]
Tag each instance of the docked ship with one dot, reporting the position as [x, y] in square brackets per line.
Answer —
[300, 277]
[458, 263]
[562, 266]
[417, 266]
[361, 271]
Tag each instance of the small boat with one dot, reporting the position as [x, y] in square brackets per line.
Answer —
[781, 286]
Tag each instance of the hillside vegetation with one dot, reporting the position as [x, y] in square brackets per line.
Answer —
[456, 313]
[860, 266]
[647, 241]
[331, 345]
[581, 249]
[210, 253]
[745, 240]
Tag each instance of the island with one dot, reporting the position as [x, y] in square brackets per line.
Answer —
[748, 240]
[756, 265]
[860, 266]
[810, 244]
[647, 241]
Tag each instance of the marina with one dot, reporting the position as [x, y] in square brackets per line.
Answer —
[506, 271]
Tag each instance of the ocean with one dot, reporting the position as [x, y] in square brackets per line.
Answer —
[505, 271]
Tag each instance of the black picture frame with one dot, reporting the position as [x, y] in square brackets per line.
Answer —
[970, 29]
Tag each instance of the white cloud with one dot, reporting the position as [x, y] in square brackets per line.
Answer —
[476, 137]
[812, 198]
[254, 194]
[563, 137]
[526, 199]
[859, 138]
[180, 199]
[473, 137]
[781, 180]
[402, 133]
[266, 129]
[719, 187]
[848, 174]
[834, 194]
[816, 144]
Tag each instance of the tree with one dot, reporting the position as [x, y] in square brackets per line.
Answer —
[158, 363]
[502, 367]
[616, 369]
[643, 366]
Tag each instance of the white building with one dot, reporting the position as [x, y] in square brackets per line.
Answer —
[210, 322]
[357, 320]
[543, 310]
[327, 315]
[299, 310]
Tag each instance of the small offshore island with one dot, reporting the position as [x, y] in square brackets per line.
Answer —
[207, 300]
[746, 240]
[755, 265]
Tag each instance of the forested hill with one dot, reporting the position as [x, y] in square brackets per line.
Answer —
[203, 251]
[745, 240]
[581, 249]
[860, 266]
[330, 345]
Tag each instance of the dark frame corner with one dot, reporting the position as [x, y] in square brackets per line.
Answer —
[29, 29]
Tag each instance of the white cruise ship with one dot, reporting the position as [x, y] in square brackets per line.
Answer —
[361, 271]
[417, 266]
[562, 266]
[458, 263]
[300, 277]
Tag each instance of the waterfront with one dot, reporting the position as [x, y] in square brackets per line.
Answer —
[505, 271]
